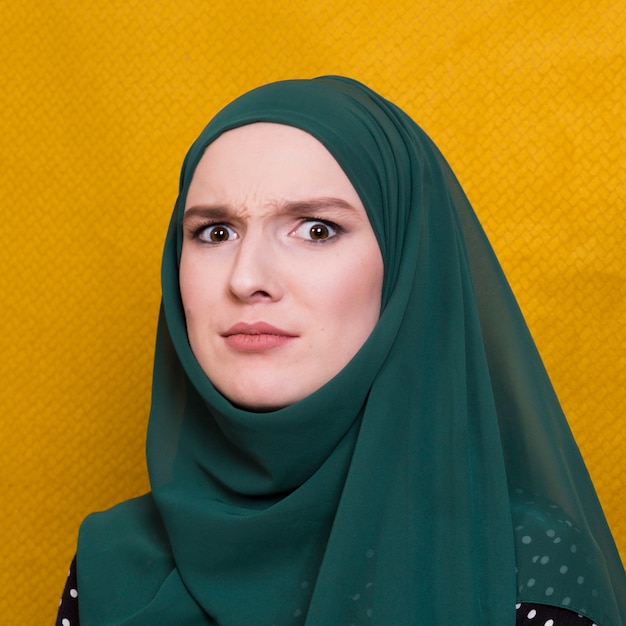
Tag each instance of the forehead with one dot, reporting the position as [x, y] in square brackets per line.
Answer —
[267, 159]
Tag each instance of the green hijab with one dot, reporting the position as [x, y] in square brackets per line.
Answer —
[433, 481]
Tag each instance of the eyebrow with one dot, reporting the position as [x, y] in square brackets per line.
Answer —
[296, 208]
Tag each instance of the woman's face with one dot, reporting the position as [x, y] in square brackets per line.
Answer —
[281, 274]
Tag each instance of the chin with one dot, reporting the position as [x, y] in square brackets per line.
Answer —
[259, 405]
[259, 408]
[259, 400]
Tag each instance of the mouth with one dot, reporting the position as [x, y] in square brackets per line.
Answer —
[256, 337]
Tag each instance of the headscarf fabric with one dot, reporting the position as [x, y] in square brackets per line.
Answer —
[434, 480]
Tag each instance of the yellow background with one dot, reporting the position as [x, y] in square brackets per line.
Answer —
[100, 101]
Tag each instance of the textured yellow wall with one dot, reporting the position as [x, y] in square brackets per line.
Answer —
[99, 103]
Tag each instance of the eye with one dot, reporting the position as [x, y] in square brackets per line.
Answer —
[316, 230]
[216, 233]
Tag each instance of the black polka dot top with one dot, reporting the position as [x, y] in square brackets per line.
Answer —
[527, 614]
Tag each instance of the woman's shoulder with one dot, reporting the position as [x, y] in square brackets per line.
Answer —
[136, 511]
[528, 614]
[559, 563]
[117, 528]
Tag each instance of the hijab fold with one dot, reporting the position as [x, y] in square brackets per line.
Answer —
[434, 480]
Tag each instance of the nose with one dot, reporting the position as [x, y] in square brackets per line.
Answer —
[255, 273]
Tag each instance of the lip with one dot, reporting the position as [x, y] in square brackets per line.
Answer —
[256, 337]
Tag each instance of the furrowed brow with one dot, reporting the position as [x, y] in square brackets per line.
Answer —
[313, 205]
[214, 213]
[298, 208]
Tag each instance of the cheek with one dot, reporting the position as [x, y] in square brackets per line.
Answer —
[196, 287]
[367, 276]
[187, 281]
[353, 297]
[365, 292]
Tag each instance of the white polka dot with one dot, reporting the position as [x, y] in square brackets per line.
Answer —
[531, 613]
[369, 585]
[556, 540]
[368, 612]
[563, 569]
[550, 622]
[74, 593]
[66, 622]
[297, 613]
[574, 548]
[526, 539]
[544, 560]
[531, 582]
[356, 596]
[549, 591]
[535, 558]
[550, 533]
[517, 606]
[566, 601]
[580, 580]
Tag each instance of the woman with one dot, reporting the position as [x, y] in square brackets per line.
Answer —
[350, 423]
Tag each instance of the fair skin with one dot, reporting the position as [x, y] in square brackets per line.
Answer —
[281, 274]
